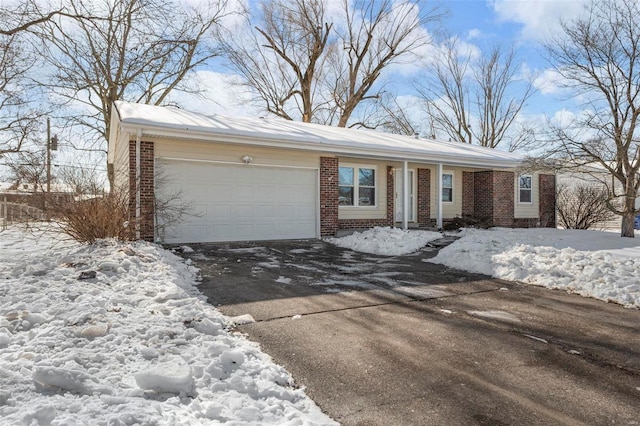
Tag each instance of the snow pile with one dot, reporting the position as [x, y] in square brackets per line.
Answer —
[594, 264]
[386, 241]
[118, 334]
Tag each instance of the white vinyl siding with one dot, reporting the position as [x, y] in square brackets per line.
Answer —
[449, 209]
[530, 210]
[379, 209]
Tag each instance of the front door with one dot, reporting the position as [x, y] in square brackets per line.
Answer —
[399, 205]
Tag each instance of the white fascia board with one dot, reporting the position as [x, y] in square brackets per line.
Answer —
[111, 146]
[367, 152]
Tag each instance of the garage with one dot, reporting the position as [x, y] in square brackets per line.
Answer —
[231, 202]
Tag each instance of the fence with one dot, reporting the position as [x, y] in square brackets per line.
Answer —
[11, 212]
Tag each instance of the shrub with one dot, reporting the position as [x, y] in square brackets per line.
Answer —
[467, 222]
[86, 221]
[582, 206]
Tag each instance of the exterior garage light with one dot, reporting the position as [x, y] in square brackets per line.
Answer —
[247, 159]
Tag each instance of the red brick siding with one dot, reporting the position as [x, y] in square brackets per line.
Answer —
[526, 223]
[503, 198]
[483, 194]
[391, 191]
[468, 199]
[370, 223]
[547, 190]
[494, 197]
[328, 196]
[363, 223]
[424, 197]
[147, 198]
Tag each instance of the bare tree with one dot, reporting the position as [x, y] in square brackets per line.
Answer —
[19, 16]
[133, 50]
[306, 65]
[18, 115]
[388, 114]
[377, 35]
[582, 206]
[598, 55]
[29, 168]
[478, 100]
[282, 58]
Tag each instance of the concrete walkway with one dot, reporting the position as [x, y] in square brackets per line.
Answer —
[400, 341]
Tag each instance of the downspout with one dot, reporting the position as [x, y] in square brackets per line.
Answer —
[439, 198]
[138, 178]
[405, 195]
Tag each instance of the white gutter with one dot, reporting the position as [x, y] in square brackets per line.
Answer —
[138, 178]
[439, 198]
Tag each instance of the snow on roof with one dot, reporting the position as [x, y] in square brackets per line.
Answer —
[174, 122]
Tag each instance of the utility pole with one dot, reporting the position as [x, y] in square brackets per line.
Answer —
[48, 155]
[52, 144]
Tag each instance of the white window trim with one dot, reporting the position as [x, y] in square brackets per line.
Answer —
[453, 186]
[356, 186]
[530, 189]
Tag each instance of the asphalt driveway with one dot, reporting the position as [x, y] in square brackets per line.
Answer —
[396, 340]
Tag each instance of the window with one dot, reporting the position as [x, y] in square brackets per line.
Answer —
[447, 187]
[356, 186]
[524, 187]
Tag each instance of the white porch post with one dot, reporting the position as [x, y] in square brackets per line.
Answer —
[439, 198]
[405, 195]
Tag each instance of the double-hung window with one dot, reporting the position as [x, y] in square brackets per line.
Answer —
[524, 189]
[447, 187]
[357, 186]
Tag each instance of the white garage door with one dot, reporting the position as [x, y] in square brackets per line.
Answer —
[239, 202]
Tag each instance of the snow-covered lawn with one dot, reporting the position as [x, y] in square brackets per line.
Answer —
[133, 342]
[118, 334]
[591, 263]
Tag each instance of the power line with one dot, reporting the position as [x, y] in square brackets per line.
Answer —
[56, 165]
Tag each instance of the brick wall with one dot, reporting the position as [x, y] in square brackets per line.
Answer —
[424, 198]
[328, 196]
[547, 188]
[370, 223]
[483, 194]
[147, 199]
[526, 222]
[494, 197]
[468, 194]
[503, 198]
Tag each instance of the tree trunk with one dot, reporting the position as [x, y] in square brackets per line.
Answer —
[629, 215]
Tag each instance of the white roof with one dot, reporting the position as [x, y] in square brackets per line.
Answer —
[177, 123]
